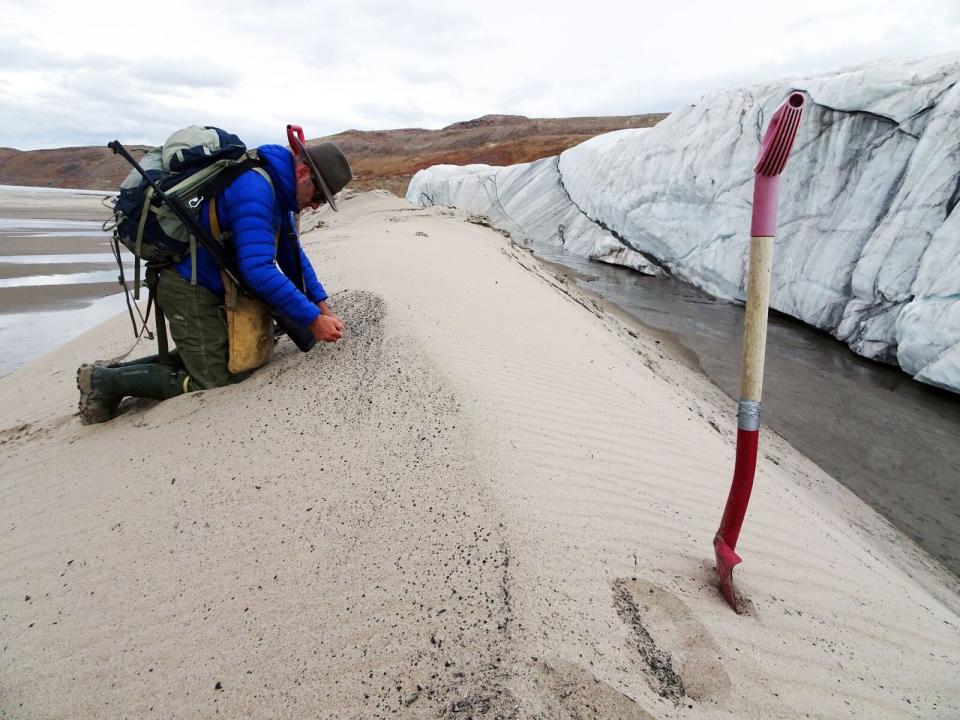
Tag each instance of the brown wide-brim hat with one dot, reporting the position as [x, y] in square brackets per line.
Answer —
[329, 167]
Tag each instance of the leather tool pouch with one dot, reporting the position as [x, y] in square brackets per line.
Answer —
[249, 323]
[249, 329]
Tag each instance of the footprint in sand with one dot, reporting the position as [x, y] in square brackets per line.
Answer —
[568, 692]
[13, 434]
[681, 657]
[30, 432]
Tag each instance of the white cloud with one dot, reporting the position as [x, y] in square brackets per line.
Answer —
[83, 73]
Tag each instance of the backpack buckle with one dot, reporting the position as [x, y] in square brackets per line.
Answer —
[194, 203]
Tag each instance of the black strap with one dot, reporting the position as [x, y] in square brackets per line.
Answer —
[222, 180]
[163, 347]
[126, 296]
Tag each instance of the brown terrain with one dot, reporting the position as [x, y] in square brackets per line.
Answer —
[79, 168]
[380, 158]
[389, 158]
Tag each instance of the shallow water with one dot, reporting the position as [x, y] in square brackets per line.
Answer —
[891, 440]
[52, 243]
[54, 259]
[77, 278]
[51, 228]
[30, 190]
[56, 233]
[26, 336]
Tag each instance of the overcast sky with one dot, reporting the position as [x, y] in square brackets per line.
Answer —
[84, 73]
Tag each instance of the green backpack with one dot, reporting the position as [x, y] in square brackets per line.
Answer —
[194, 164]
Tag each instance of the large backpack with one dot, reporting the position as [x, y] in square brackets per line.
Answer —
[193, 165]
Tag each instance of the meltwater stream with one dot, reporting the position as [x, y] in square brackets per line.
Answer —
[890, 439]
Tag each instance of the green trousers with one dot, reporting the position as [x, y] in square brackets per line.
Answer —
[198, 327]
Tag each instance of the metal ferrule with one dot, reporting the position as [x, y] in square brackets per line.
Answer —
[748, 415]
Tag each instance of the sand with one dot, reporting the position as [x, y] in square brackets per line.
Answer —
[493, 498]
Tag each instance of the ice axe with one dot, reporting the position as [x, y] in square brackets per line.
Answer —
[296, 138]
[774, 152]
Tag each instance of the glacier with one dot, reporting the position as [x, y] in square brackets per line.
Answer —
[868, 243]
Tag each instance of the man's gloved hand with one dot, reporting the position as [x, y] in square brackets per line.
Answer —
[327, 328]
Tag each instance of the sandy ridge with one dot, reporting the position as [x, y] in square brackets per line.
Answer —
[490, 499]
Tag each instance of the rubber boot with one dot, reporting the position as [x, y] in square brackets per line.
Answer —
[173, 360]
[102, 388]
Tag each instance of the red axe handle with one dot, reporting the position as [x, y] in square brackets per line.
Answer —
[295, 137]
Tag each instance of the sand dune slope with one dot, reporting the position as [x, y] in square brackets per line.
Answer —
[491, 499]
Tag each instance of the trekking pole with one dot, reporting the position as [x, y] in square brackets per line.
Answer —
[301, 335]
[774, 152]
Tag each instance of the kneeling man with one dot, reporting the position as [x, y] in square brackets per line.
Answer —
[255, 216]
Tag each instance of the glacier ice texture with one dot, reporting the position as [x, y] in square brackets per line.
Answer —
[867, 245]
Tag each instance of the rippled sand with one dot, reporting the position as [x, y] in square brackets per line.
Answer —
[492, 499]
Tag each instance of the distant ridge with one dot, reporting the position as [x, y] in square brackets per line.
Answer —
[380, 158]
[389, 158]
[488, 120]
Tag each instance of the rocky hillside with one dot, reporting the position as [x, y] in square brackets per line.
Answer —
[84, 168]
[380, 159]
[389, 158]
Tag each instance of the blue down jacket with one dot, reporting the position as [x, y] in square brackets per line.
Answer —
[251, 210]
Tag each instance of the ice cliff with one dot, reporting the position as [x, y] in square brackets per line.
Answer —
[868, 243]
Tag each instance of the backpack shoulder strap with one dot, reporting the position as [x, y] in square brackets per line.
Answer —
[262, 171]
[221, 182]
[225, 177]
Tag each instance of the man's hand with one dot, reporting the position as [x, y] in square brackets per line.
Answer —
[337, 320]
[327, 312]
[327, 328]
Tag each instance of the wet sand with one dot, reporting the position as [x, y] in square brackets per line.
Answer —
[21, 244]
[52, 204]
[9, 271]
[491, 499]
